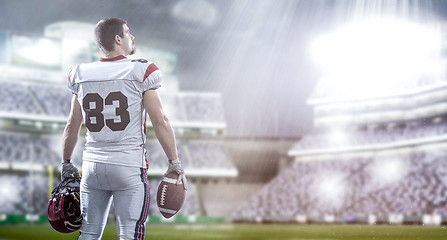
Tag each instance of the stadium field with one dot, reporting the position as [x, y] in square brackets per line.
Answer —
[245, 232]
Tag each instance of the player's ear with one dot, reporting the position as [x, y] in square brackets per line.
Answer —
[118, 39]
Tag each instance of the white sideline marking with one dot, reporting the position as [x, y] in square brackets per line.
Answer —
[204, 227]
[301, 239]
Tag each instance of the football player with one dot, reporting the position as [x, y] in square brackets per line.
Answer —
[112, 97]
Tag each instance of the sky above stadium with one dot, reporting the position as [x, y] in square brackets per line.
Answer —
[256, 53]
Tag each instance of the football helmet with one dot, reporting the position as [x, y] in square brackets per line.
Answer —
[64, 206]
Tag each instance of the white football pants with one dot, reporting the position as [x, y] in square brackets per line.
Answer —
[129, 189]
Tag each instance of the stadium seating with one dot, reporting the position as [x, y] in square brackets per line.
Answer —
[200, 156]
[27, 149]
[203, 108]
[211, 156]
[356, 187]
[409, 183]
[157, 157]
[54, 99]
[23, 194]
[353, 139]
[16, 99]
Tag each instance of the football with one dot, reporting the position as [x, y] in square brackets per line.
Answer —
[170, 197]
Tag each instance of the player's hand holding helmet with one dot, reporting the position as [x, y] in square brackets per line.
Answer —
[64, 206]
[69, 170]
[175, 166]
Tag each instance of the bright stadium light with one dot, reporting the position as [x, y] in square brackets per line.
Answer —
[331, 188]
[375, 52]
[388, 171]
[9, 192]
[43, 51]
[338, 137]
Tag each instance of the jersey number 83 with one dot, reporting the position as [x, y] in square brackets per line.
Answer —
[96, 112]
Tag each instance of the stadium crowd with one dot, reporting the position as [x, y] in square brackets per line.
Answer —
[54, 101]
[365, 138]
[203, 108]
[412, 185]
[27, 149]
[23, 193]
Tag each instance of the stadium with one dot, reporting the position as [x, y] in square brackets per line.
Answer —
[320, 119]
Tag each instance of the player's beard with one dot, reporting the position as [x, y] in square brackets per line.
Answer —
[133, 49]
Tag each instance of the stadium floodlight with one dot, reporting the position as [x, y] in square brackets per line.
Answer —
[375, 53]
[74, 51]
[331, 188]
[388, 171]
[338, 136]
[9, 192]
[43, 51]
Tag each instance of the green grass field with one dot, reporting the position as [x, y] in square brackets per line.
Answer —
[244, 232]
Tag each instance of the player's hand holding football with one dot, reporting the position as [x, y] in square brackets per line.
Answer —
[175, 166]
[69, 170]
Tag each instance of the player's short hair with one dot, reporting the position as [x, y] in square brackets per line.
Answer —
[105, 32]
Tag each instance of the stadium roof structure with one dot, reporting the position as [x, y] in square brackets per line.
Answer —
[71, 29]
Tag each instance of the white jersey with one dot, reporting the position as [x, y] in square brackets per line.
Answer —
[110, 93]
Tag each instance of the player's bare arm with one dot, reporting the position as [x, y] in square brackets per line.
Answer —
[69, 139]
[164, 133]
[162, 127]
